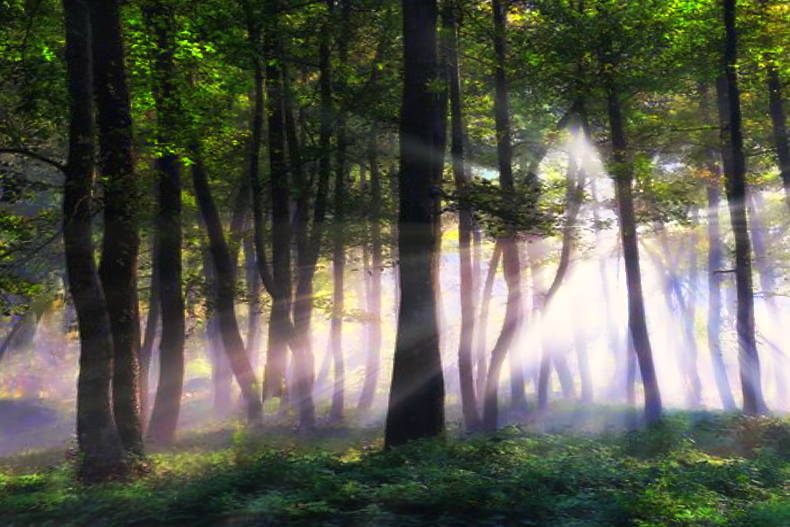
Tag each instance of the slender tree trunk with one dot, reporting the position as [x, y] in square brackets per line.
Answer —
[302, 306]
[226, 281]
[416, 400]
[276, 363]
[510, 257]
[102, 456]
[574, 191]
[338, 242]
[485, 304]
[715, 262]
[373, 360]
[164, 417]
[623, 173]
[735, 184]
[152, 324]
[467, 284]
[121, 241]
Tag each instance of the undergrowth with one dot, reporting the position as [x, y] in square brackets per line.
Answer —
[689, 470]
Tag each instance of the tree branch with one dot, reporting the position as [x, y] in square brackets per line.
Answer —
[33, 155]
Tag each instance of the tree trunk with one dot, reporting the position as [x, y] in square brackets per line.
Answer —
[121, 241]
[338, 241]
[164, 417]
[276, 363]
[482, 326]
[467, 284]
[149, 337]
[373, 360]
[623, 173]
[226, 282]
[102, 456]
[510, 257]
[735, 184]
[302, 306]
[416, 400]
[574, 192]
[715, 261]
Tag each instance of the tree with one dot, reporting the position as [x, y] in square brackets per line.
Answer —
[416, 400]
[465, 222]
[97, 436]
[164, 417]
[121, 238]
[735, 184]
[510, 258]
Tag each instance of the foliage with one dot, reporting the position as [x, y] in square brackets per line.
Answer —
[664, 476]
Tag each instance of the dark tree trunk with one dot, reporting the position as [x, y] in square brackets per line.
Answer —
[416, 400]
[276, 363]
[304, 374]
[373, 359]
[164, 417]
[467, 285]
[338, 240]
[735, 184]
[623, 173]
[152, 323]
[102, 456]
[121, 241]
[715, 277]
[510, 256]
[226, 281]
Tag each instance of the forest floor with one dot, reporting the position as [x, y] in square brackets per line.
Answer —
[692, 469]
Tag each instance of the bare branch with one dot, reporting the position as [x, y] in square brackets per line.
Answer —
[33, 155]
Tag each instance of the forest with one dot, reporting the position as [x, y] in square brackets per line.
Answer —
[369, 262]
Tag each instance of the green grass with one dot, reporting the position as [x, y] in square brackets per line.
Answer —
[690, 470]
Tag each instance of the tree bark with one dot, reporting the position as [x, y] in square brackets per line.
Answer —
[510, 256]
[121, 240]
[416, 400]
[226, 281]
[102, 456]
[467, 284]
[623, 173]
[735, 184]
[167, 405]
[152, 323]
